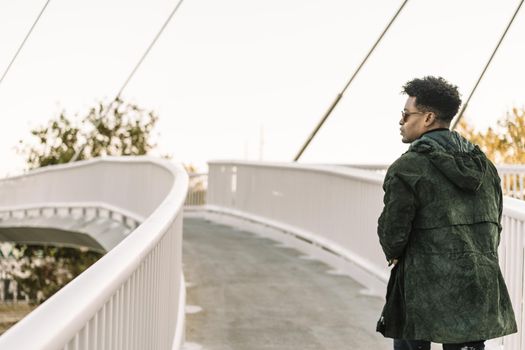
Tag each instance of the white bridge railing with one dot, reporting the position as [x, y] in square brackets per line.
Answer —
[197, 189]
[512, 177]
[331, 206]
[134, 296]
[337, 208]
[513, 180]
[512, 258]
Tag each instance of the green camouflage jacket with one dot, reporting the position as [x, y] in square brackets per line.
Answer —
[441, 219]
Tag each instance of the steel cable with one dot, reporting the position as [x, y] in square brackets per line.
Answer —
[117, 97]
[24, 41]
[460, 115]
[340, 95]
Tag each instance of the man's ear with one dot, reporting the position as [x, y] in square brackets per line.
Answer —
[430, 119]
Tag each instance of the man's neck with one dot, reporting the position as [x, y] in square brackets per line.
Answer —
[441, 128]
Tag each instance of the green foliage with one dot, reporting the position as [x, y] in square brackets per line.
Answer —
[117, 129]
[42, 270]
[504, 144]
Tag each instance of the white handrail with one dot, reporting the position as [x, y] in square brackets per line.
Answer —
[132, 297]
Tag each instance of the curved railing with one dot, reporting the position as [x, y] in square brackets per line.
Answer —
[337, 209]
[334, 207]
[133, 297]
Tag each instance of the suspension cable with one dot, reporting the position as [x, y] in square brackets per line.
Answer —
[117, 97]
[24, 41]
[340, 95]
[148, 49]
[460, 115]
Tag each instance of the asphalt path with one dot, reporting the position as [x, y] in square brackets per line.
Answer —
[247, 292]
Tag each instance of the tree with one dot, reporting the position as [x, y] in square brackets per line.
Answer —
[504, 144]
[118, 129]
[41, 271]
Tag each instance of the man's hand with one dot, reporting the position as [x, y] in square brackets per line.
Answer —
[393, 262]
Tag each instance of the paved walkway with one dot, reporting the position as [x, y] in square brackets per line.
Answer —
[248, 293]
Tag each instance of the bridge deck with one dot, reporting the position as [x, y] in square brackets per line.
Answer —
[246, 292]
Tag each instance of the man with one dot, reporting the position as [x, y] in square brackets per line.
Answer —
[440, 228]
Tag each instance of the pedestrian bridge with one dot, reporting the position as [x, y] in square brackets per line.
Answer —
[282, 256]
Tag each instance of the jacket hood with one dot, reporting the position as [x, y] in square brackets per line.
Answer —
[460, 161]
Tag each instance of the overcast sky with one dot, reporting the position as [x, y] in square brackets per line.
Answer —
[249, 79]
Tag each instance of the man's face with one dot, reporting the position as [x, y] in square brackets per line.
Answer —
[412, 121]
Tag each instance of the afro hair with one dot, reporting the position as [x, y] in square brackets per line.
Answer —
[434, 95]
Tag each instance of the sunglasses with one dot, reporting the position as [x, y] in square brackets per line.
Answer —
[406, 114]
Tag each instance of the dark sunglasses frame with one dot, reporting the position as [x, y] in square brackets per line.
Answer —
[405, 114]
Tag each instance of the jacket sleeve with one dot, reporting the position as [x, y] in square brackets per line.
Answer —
[500, 206]
[395, 222]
